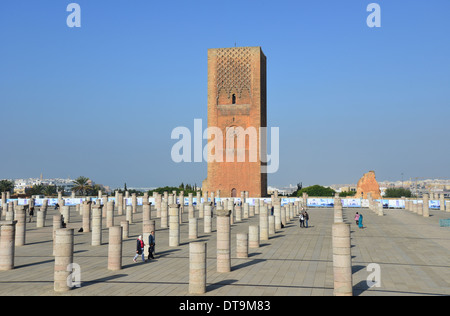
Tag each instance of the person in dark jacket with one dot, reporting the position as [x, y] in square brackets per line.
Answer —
[139, 249]
[151, 245]
[31, 213]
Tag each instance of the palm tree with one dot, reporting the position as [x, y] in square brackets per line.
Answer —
[36, 189]
[93, 190]
[82, 185]
[49, 190]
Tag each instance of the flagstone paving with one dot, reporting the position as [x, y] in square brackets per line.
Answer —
[412, 252]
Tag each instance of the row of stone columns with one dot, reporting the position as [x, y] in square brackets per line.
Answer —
[246, 210]
[12, 233]
[9, 209]
[197, 252]
[63, 240]
[423, 208]
[63, 252]
[244, 241]
[376, 207]
[63, 249]
[19, 212]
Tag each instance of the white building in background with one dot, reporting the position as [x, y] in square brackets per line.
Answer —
[286, 190]
[21, 184]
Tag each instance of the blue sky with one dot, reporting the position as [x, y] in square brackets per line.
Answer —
[101, 100]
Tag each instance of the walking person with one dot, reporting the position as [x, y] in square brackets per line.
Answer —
[151, 243]
[31, 213]
[139, 249]
[357, 218]
[360, 221]
[302, 220]
[306, 216]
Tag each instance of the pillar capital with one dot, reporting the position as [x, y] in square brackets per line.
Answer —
[223, 212]
[6, 223]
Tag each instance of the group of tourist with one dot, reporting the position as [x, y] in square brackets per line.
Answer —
[359, 220]
[303, 218]
[140, 247]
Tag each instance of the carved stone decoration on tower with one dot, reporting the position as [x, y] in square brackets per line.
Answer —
[233, 71]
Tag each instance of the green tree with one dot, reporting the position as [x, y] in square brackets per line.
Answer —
[36, 189]
[6, 185]
[397, 193]
[137, 192]
[161, 190]
[347, 193]
[49, 190]
[317, 190]
[93, 190]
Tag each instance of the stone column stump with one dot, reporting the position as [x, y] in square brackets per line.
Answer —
[7, 244]
[63, 258]
[174, 226]
[242, 245]
[223, 241]
[115, 248]
[342, 260]
[197, 267]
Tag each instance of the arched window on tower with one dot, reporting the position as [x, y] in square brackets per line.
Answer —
[233, 99]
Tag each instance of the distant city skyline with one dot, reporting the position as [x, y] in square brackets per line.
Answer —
[102, 100]
[65, 181]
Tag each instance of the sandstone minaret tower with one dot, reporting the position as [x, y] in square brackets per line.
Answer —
[237, 106]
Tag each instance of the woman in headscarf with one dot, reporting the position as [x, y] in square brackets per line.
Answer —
[139, 249]
[360, 223]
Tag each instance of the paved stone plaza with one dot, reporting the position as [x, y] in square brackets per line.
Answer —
[413, 253]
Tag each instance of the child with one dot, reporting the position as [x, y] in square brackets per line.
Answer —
[357, 218]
